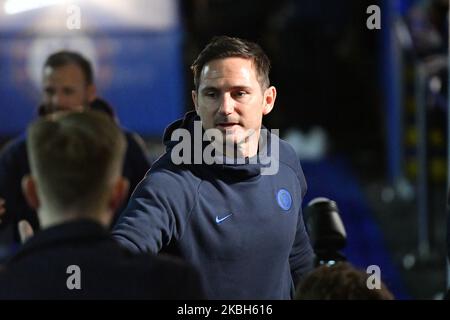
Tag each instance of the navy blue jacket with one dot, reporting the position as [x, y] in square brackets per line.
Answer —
[107, 271]
[14, 165]
[244, 231]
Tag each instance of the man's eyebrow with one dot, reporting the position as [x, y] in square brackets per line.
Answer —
[238, 87]
[241, 87]
[209, 88]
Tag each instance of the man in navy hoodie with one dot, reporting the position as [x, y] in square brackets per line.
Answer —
[227, 195]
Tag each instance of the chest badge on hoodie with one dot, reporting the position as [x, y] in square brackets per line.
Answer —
[284, 199]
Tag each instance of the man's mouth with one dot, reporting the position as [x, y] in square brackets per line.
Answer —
[227, 125]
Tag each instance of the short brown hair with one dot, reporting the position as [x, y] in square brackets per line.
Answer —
[339, 282]
[73, 156]
[63, 58]
[222, 47]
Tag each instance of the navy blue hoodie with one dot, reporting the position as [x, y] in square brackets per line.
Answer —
[243, 231]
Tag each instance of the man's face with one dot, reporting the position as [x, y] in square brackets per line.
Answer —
[230, 98]
[65, 88]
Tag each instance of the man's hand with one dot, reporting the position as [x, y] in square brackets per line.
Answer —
[24, 227]
[25, 230]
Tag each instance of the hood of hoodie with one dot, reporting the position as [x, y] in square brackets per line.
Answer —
[245, 169]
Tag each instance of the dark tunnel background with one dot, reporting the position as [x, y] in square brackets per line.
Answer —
[347, 101]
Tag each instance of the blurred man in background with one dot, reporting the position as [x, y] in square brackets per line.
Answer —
[68, 84]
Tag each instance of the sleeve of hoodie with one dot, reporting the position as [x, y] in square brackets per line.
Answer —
[157, 211]
[301, 258]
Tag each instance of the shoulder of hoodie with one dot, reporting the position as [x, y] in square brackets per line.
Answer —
[14, 149]
[164, 177]
[289, 159]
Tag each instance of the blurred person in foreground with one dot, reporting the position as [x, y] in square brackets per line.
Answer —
[340, 282]
[76, 186]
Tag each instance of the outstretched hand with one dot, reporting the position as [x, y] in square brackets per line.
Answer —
[24, 227]
[25, 230]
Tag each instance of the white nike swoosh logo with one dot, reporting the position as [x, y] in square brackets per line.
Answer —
[219, 220]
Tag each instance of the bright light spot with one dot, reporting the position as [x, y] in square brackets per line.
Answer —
[18, 6]
[435, 84]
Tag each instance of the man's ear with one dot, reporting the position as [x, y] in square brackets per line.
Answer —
[270, 95]
[194, 99]
[91, 92]
[29, 189]
[119, 193]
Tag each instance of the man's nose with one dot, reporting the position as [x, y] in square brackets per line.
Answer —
[58, 102]
[55, 99]
[227, 104]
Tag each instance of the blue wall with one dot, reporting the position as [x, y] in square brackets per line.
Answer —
[140, 74]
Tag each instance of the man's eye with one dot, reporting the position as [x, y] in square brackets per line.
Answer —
[210, 94]
[240, 94]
